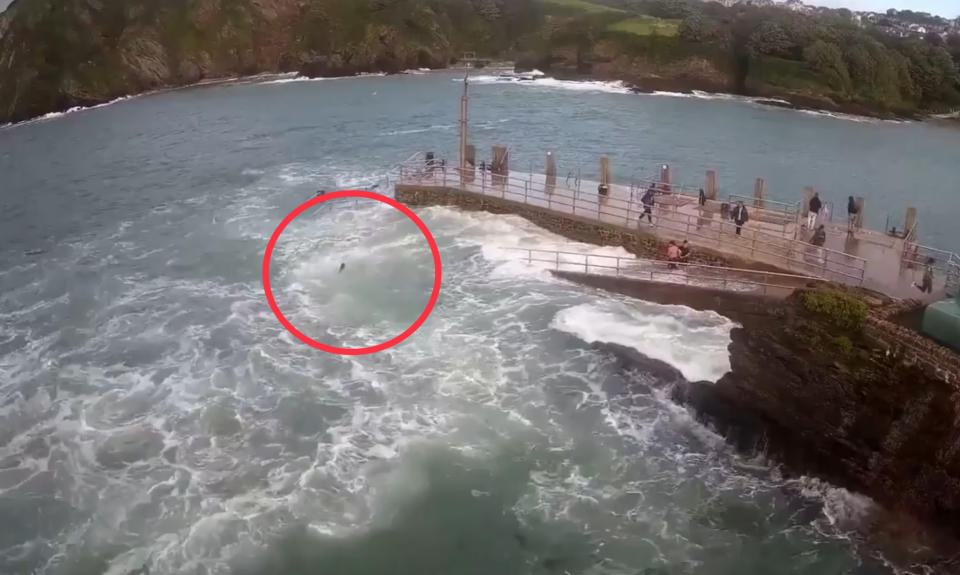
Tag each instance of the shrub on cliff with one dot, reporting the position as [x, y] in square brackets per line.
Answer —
[840, 310]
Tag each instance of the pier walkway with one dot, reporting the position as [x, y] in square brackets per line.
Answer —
[772, 237]
[754, 282]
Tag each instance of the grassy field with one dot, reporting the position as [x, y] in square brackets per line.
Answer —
[647, 26]
[582, 5]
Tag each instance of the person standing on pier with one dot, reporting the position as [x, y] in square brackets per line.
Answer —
[852, 211]
[648, 200]
[740, 216]
[927, 285]
[814, 210]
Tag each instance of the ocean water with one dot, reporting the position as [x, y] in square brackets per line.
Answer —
[156, 417]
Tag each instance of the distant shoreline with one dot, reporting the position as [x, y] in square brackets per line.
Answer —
[785, 101]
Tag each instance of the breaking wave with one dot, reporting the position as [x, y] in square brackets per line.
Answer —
[693, 342]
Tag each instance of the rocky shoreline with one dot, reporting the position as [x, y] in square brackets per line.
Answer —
[323, 70]
[835, 401]
[779, 99]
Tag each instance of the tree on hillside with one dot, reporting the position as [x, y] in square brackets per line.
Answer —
[770, 39]
[827, 59]
[862, 67]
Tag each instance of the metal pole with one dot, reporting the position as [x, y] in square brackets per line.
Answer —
[463, 120]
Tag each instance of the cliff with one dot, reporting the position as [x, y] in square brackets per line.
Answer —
[56, 54]
[818, 383]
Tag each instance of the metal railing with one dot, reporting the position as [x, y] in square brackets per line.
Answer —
[698, 275]
[772, 249]
[793, 254]
[953, 275]
[918, 256]
[786, 210]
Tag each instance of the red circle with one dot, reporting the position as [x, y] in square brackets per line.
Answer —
[352, 194]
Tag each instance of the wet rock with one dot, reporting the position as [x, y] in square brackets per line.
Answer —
[129, 446]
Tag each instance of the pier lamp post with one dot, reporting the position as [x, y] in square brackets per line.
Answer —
[467, 60]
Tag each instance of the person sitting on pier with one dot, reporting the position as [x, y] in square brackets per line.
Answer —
[648, 200]
[673, 255]
[685, 252]
[740, 216]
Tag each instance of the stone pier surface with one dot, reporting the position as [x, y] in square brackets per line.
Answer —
[772, 239]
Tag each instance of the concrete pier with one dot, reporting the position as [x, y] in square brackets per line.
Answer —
[772, 239]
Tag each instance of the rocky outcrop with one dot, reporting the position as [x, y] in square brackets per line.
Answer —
[835, 403]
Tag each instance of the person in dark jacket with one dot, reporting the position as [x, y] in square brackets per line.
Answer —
[702, 199]
[852, 211]
[648, 200]
[927, 285]
[814, 210]
[740, 216]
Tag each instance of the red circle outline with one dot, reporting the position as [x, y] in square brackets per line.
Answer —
[437, 272]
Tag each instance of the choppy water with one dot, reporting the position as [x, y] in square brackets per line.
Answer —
[154, 412]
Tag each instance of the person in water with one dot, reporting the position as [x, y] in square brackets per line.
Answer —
[342, 265]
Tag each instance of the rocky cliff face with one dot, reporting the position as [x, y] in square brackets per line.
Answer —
[827, 402]
[56, 54]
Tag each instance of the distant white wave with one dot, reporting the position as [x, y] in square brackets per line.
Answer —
[433, 128]
[321, 79]
[851, 117]
[74, 110]
[701, 95]
[417, 71]
[552, 83]
[693, 342]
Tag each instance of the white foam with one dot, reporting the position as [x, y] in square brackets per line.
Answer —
[843, 509]
[615, 87]
[297, 79]
[693, 342]
[433, 128]
[74, 110]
